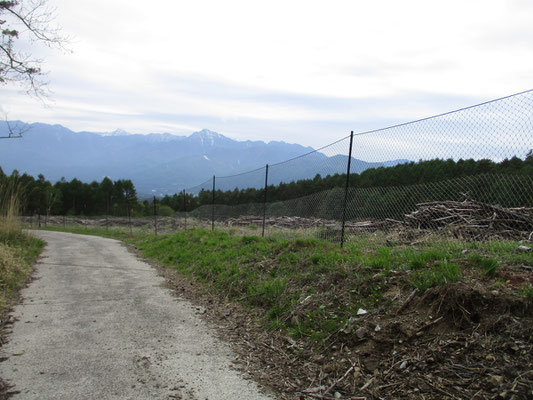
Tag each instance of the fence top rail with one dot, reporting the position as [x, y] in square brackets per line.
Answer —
[310, 152]
[441, 115]
[241, 173]
[364, 133]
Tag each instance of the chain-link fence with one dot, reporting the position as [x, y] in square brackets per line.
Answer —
[466, 174]
[476, 171]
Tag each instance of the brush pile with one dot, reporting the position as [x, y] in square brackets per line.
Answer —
[473, 220]
[306, 223]
[281, 222]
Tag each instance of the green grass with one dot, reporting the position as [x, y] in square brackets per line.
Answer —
[489, 266]
[505, 251]
[276, 274]
[17, 254]
[112, 233]
[526, 292]
[17, 250]
[441, 273]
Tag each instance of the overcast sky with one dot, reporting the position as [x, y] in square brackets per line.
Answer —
[304, 72]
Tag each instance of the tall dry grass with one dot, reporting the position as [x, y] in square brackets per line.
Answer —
[10, 193]
[17, 250]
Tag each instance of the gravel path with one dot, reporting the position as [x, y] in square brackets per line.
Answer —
[97, 324]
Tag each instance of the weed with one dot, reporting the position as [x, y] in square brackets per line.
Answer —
[275, 312]
[304, 242]
[249, 239]
[526, 292]
[442, 273]
[316, 258]
[421, 259]
[489, 266]
[383, 260]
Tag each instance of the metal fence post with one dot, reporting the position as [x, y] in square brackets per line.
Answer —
[213, 213]
[185, 208]
[346, 189]
[155, 216]
[107, 215]
[129, 218]
[39, 218]
[265, 201]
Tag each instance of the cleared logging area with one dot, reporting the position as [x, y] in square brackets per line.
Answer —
[468, 220]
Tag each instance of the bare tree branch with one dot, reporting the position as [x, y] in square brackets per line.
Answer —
[31, 20]
[14, 131]
[38, 19]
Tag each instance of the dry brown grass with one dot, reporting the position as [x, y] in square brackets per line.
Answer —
[9, 210]
[17, 250]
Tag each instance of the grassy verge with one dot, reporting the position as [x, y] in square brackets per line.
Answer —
[17, 254]
[17, 250]
[310, 288]
[111, 233]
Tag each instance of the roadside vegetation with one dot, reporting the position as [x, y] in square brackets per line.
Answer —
[311, 288]
[17, 249]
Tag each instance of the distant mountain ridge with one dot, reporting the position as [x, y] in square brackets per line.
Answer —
[157, 163]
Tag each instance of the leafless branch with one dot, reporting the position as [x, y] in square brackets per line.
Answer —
[32, 20]
[14, 131]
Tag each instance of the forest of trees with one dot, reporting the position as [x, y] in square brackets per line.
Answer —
[120, 197]
[412, 173]
[39, 196]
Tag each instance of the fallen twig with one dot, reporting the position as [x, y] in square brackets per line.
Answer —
[338, 381]
[406, 302]
[368, 383]
[427, 325]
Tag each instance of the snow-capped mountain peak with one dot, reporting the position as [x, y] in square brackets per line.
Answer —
[208, 137]
[116, 132]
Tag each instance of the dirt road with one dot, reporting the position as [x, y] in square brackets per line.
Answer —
[97, 324]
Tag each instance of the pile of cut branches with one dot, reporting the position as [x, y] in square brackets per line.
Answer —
[280, 222]
[473, 220]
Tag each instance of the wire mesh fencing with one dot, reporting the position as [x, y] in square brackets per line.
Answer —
[474, 171]
[466, 174]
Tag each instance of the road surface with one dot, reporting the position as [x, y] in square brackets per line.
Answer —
[97, 324]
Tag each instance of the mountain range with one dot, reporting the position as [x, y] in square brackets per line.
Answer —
[162, 163]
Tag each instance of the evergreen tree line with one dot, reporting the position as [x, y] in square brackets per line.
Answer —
[372, 190]
[385, 178]
[39, 196]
